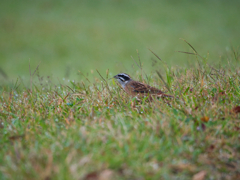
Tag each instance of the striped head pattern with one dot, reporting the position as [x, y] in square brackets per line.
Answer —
[123, 78]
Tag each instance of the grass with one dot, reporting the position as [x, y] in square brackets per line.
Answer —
[61, 119]
[81, 130]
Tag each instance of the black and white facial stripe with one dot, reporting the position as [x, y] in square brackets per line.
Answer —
[123, 77]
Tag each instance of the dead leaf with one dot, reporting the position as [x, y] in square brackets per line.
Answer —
[91, 176]
[205, 119]
[211, 147]
[176, 168]
[200, 175]
[236, 109]
[146, 123]
[106, 175]
[196, 107]
[237, 128]
[16, 137]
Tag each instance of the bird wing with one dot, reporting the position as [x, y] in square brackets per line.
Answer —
[144, 88]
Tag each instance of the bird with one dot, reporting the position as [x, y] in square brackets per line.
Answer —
[138, 89]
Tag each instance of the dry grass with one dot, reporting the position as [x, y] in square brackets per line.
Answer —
[95, 131]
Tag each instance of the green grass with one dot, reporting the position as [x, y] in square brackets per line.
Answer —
[82, 130]
[67, 36]
[59, 123]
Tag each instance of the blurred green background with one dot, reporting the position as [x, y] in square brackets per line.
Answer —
[67, 36]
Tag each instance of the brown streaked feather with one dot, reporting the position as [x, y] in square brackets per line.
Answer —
[138, 87]
[141, 90]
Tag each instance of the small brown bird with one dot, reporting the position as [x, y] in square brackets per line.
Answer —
[138, 89]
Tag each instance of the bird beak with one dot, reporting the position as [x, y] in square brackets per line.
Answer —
[113, 77]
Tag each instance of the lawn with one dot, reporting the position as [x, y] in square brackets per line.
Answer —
[62, 118]
[95, 131]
